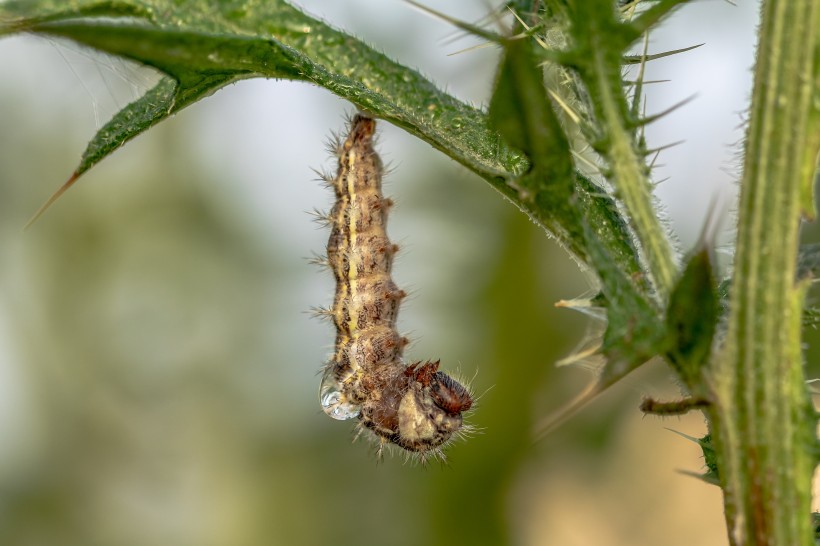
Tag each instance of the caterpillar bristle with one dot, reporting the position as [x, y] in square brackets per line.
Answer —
[324, 177]
[321, 217]
[319, 260]
[333, 145]
[322, 313]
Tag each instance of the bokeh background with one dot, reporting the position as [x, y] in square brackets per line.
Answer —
[158, 364]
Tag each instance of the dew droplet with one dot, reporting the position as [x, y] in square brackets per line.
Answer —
[334, 402]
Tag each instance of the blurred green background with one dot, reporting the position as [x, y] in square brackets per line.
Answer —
[158, 366]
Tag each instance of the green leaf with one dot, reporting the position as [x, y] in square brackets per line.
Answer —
[709, 458]
[595, 52]
[22, 15]
[276, 40]
[635, 332]
[205, 45]
[691, 318]
[164, 99]
[522, 113]
[200, 43]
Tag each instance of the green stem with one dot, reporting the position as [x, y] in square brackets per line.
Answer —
[628, 170]
[633, 188]
[762, 421]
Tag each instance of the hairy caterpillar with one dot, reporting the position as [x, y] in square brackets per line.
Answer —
[414, 405]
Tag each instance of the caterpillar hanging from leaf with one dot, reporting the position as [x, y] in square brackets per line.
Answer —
[412, 405]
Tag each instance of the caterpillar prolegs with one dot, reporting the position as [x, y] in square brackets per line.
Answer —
[414, 406]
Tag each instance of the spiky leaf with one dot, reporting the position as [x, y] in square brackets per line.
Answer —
[691, 318]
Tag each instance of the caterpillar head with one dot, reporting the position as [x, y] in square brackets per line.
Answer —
[430, 411]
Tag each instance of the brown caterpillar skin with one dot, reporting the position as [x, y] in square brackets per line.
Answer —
[413, 406]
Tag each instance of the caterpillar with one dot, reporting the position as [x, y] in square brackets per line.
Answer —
[412, 405]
